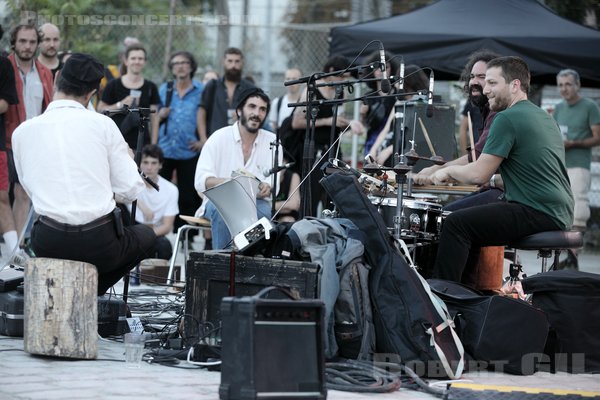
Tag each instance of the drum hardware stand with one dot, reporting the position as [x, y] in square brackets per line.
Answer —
[144, 114]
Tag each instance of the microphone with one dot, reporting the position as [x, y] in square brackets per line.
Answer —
[117, 111]
[429, 111]
[385, 83]
[268, 172]
[401, 83]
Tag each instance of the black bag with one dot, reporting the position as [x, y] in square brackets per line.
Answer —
[571, 300]
[354, 329]
[410, 322]
[292, 141]
[506, 334]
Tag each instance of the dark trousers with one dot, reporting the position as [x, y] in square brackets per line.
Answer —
[497, 224]
[189, 201]
[479, 198]
[113, 256]
[163, 248]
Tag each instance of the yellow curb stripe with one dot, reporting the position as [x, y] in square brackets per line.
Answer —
[500, 388]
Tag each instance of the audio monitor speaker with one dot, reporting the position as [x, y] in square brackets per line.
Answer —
[272, 349]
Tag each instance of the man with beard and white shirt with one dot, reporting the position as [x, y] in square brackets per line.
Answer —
[241, 146]
[217, 107]
[49, 45]
[526, 145]
[34, 86]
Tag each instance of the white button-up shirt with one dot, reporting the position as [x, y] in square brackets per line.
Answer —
[222, 154]
[72, 161]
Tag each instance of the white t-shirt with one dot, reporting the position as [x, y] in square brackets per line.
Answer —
[284, 110]
[163, 203]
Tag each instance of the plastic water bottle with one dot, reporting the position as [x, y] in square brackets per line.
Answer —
[134, 276]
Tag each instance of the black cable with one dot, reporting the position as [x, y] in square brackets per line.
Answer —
[418, 382]
[360, 376]
[374, 377]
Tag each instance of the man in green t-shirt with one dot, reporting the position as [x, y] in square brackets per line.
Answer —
[526, 146]
[579, 122]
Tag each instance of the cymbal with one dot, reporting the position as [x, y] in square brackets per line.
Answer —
[196, 220]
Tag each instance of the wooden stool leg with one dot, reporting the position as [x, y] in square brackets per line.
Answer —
[61, 308]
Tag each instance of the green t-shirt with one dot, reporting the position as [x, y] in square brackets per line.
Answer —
[533, 169]
[575, 122]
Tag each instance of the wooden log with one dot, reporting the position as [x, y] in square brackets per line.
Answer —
[61, 308]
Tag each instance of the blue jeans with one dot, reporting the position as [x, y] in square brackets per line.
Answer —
[221, 237]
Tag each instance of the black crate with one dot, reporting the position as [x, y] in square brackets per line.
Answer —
[11, 313]
[207, 282]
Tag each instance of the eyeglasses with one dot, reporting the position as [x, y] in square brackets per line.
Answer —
[173, 64]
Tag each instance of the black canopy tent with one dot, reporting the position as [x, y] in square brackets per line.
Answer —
[443, 34]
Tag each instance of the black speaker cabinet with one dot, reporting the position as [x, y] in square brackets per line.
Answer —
[207, 282]
[272, 349]
[440, 127]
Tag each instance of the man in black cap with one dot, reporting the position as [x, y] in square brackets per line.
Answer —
[74, 163]
[243, 146]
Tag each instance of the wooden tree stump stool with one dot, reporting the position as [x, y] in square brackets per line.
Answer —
[61, 308]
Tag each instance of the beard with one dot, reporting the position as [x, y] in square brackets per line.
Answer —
[245, 123]
[49, 53]
[500, 103]
[478, 100]
[24, 56]
[233, 75]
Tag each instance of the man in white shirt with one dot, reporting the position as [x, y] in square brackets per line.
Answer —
[74, 163]
[241, 146]
[157, 208]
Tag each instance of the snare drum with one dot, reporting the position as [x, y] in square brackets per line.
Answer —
[417, 216]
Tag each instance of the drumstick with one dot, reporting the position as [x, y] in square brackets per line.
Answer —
[471, 136]
[427, 137]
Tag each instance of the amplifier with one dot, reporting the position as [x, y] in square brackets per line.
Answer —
[272, 349]
[207, 282]
[112, 316]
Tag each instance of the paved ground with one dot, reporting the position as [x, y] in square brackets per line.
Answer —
[25, 377]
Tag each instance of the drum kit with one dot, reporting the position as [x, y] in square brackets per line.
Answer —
[419, 220]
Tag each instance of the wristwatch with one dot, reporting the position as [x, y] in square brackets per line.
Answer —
[493, 181]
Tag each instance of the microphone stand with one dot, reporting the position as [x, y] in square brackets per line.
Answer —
[275, 174]
[338, 95]
[309, 147]
[144, 114]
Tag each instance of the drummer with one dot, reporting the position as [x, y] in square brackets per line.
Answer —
[526, 145]
[474, 75]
